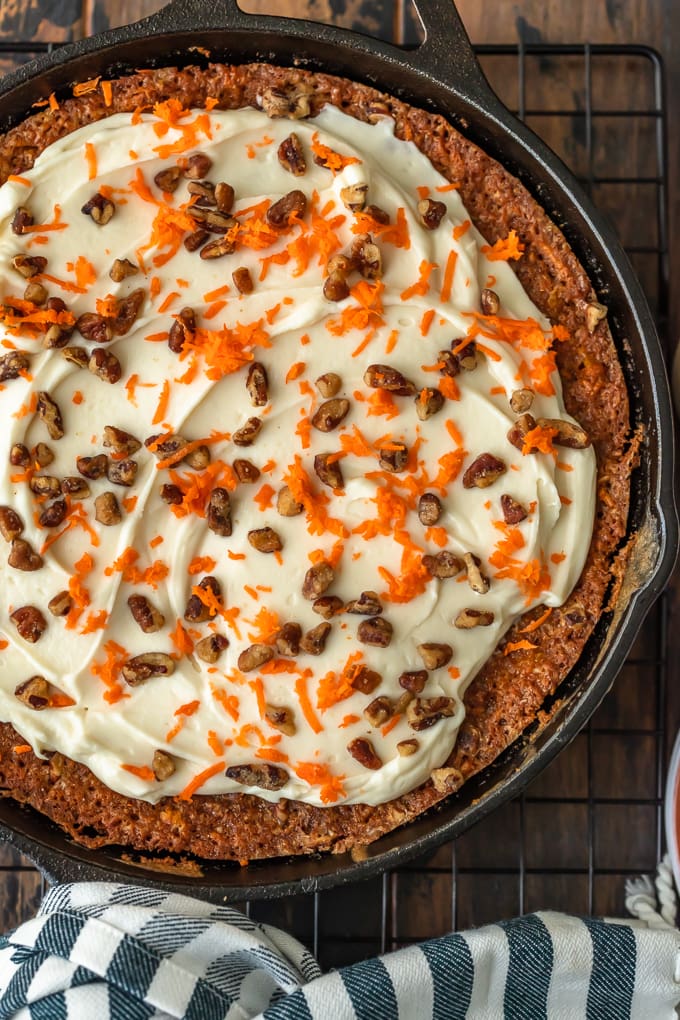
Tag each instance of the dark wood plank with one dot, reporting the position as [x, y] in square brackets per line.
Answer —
[50, 20]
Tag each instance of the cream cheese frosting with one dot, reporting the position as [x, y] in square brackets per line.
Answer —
[209, 717]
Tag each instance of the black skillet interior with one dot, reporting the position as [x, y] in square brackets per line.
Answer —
[443, 75]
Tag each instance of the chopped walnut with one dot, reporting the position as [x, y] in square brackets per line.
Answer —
[379, 711]
[257, 384]
[354, 197]
[286, 504]
[100, 209]
[265, 540]
[429, 509]
[248, 433]
[122, 472]
[22, 556]
[484, 471]
[259, 774]
[521, 400]
[121, 269]
[29, 622]
[394, 457]
[431, 213]
[196, 611]
[45, 485]
[162, 765]
[478, 581]
[365, 680]
[105, 365]
[513, 512]
[287, 640]
[368, 604]
[384, 377]
[291, 155]
[60, 604]
[145, 614]
[144, 667]
[11, 524]
[407, 747]
[376, 631]
[330, 414]
[107, 510]
[254, 656]
[318, 579]
[210, 648]
[328, 606]
[443, 564]
[329, 384]
[182, 329]
[219, 512]
[362, 751]
[42, 454]
[314, 641]
[246, 471]
[243, 281]
[53, 515]
[595, 313]
[281, 718]
[291, 102]
[519, 431]
[435, 655]
[34, 692]
[425, 712]
[74, 486]
[428, 402]
[289, 208]
[489, 301]
[12, 365]
[328, 472]
[568, 433]
[467, 619]
[50, 415]
[413, 680]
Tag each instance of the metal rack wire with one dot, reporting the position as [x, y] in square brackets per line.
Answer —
[595, 815]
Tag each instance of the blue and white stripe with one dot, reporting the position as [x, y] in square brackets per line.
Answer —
[114, 952]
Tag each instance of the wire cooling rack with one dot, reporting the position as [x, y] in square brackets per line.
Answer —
[595, 816]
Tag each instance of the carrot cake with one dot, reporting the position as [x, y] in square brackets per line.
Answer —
[316, 464]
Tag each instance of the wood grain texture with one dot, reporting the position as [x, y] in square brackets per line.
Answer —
[531, 853]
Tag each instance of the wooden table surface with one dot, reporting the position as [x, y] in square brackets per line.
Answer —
[593, 816]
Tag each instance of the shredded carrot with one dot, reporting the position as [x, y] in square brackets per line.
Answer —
[558, 557]
[41, 228]
[91, 160]
[563, 466]
[198, 781]
[229, 702]
[77, 397]
[83, 87]
[95, 621]
[320, 775]
[348, 720]
[162, 405]
[447, 187]
[448, 387]
[388, 727]
[445, 292]
[306, 705]
[328, 158]
[129, 502]
[263, 497]
[16, 179]
[215, 744]
[505, 248]
[295, 371]
[201, 565]
[535, 624]
[107, 92]
[461, 230]
[422, 284]
[155, 541]
[168, 301]
[235, 556]
[108, 671]
[22, 748]
[517, 646]
[426, 321]
[52, 101]
[141, 771]
[257, 687]
[182, 641]
[540, 440]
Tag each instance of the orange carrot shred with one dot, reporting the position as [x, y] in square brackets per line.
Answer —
[162, 406]
[198, 781]
[91, 159]
[295, 371]
[447, 282]
[306, 705]
[141, 771]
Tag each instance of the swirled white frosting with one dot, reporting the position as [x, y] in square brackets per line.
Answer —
[227, 728]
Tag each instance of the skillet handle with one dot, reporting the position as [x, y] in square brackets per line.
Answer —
[446, 52]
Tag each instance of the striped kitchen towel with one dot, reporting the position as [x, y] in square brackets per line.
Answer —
[98, 951]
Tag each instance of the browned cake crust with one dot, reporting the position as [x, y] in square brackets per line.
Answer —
[508, 693]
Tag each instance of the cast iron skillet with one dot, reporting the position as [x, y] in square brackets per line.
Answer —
[442, 75]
